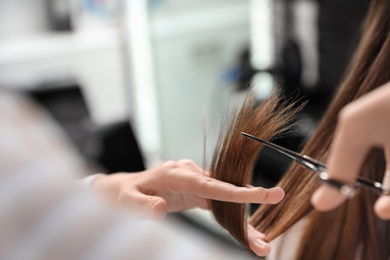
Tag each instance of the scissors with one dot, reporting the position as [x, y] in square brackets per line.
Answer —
[348, 189]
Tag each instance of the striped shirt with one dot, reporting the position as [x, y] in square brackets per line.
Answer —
[44, 215]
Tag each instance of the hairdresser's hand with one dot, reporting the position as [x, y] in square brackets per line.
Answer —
[175, 186]
[363, 124]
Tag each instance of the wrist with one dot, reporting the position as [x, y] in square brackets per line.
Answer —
[108, 187]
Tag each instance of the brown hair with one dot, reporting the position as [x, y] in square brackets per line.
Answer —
[234, 156]
[352, 229]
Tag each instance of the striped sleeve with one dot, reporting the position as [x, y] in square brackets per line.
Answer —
[44, 215]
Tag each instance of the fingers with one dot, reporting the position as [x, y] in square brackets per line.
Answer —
[210, 188]
[326, 198]
[382, 205]
[347, 152]
[148, 206]
[201, 203]
[257, 242]
[191, 165]
[362, 124]
[186, 177]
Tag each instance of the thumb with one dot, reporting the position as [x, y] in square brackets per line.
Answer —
[382, 205]
[149, 206]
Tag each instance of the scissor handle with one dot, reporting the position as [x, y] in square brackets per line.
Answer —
[348, 189]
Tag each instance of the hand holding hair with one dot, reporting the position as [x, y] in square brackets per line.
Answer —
[181, 185]
[176, 186]
[363, 124]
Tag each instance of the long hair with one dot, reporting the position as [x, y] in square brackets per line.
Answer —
[235, 156]
[352, 229]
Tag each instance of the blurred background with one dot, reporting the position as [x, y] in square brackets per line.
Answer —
[132, 83]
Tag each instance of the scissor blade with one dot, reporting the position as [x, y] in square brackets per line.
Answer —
[276, 147]
[318, 166]
[302, 159]
[373, 186]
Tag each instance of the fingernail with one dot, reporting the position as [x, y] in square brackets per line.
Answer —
[261, 243]
[158, 213]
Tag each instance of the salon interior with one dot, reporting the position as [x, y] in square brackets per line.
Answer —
[130, 84]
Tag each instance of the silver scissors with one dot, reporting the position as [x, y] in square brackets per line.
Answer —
[348, 189]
